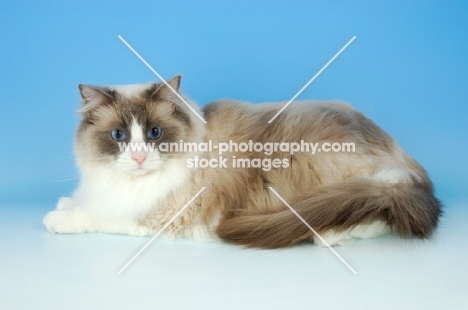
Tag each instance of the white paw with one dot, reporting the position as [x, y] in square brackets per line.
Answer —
[332, 238]
[65, 221]
[362, 231]
[372, 230]
[64, 203]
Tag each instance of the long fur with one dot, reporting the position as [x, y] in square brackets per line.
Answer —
[408, 209]
[377, 187]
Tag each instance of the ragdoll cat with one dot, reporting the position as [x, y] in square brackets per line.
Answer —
[374, 190]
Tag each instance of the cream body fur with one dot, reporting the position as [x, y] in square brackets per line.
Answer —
[343, 195]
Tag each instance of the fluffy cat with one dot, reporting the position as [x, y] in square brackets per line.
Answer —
[374, 190]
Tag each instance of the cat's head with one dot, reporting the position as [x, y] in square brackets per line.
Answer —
[122, 127]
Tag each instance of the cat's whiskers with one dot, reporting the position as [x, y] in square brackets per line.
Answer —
[66, 178]
[96, 159]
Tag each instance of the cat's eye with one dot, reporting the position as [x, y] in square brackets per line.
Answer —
[118, 135]
[154, 133]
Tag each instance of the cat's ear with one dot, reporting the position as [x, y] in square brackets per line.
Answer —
[93, 95]
[162, 91]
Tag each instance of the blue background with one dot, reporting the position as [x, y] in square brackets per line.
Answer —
[407, 70]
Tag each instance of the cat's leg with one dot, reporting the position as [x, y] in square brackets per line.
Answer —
[363, 231]
[130, 228]
[70, 219]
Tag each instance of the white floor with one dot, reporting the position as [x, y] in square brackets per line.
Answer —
[43, 271]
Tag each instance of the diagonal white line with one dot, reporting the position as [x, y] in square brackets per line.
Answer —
[161, 78]
[312, 79]
[313, 230]
[160, 231]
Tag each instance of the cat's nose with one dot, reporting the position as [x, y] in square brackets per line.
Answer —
[139, 158]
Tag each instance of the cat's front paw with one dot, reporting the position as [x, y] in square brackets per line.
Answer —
[65, 221]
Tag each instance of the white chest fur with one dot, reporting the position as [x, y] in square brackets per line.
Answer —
[113, 195]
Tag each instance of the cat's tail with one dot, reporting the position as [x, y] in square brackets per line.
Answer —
[410, 209]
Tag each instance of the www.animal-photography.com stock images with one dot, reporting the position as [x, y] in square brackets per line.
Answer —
[233, 155]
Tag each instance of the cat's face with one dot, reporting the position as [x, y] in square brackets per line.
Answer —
[123, 126]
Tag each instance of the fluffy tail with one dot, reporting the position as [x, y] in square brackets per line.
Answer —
[409, 209]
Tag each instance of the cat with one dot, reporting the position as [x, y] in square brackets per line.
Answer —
[375, 190]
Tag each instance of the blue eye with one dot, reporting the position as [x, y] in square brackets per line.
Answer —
[118, 135]
[154, 133]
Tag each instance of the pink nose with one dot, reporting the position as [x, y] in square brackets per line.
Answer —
[139, 158]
